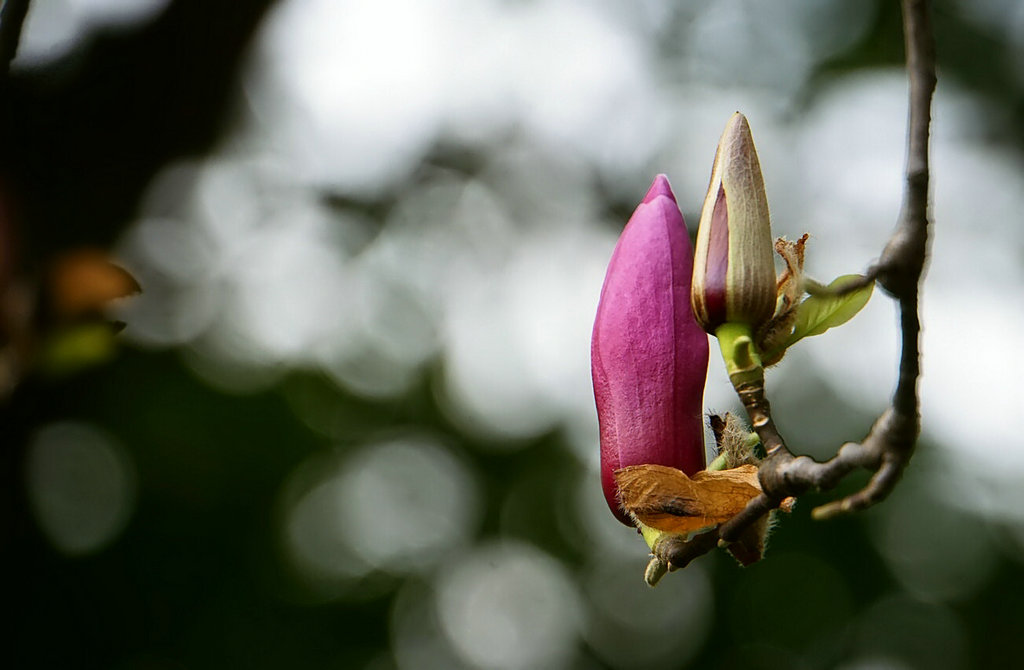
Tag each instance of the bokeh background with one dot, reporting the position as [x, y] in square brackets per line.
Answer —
[350, 423]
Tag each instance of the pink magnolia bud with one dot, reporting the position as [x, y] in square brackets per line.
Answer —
[649, 358]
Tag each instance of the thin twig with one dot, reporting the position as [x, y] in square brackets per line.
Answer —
[890, 443]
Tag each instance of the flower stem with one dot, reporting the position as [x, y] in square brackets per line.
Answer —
[742, 360]
[743, 363]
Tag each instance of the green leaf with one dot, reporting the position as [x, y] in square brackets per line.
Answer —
[76, 347]
[818, 313]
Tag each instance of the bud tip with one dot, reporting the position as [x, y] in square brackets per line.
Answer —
[658, 188]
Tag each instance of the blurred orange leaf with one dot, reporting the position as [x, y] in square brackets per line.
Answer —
[84, 281]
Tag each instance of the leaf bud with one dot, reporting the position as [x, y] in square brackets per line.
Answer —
[734, 269]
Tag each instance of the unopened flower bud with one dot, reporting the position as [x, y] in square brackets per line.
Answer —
[648, 355]
[733, 270]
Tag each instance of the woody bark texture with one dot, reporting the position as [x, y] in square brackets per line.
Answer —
[890, 443]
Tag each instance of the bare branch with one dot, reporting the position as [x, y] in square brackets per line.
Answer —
[894, 435]
[889, 445]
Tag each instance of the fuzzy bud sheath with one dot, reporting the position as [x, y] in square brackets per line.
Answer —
[734, 270]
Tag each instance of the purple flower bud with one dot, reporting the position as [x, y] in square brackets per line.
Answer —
[734, 269]
[649, 358]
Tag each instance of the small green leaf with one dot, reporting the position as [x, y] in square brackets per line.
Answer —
[818, 313]
[76, 347]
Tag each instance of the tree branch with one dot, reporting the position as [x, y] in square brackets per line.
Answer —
[890, 443]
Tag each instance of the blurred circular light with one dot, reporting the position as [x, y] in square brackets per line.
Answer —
[167, 313]
[397, 506]
[592, 521]
[916, 634]
[326, 79]
[81, 486]
[788, 36]
[518, 341]
[632, 626]
[116, 11]
[417, 640]
[54, 27]
[328, 73]
[175, 248]
[509, 606]
[849, 178]
[485, 367]
[937, 552]
[315, 539]
[406, 503]
[227, 360]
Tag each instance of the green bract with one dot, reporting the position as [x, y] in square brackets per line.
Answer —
[825, 310]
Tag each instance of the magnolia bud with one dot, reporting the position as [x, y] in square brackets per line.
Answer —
[733, 270]
[649, 357]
